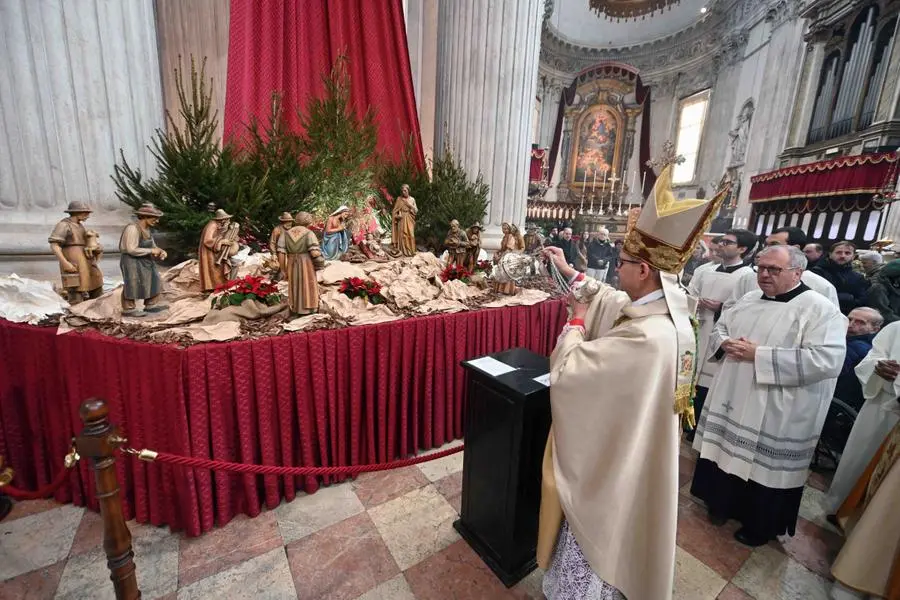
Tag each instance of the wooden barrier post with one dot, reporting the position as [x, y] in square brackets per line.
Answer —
[98, 441]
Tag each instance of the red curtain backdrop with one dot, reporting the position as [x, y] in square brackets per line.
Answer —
[288, 45]
[349, 396]
[847, 175]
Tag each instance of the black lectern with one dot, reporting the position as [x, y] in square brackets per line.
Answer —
[507, 421]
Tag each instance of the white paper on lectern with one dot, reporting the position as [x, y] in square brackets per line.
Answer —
[491, 366]
[544, 379]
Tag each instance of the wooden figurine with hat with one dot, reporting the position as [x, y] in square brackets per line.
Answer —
[80, 275]
[218, 243]
[286, 221]
[138, 252]
[474, 247]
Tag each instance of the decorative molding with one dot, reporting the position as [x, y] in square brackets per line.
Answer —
[686, 50]
[548, 10]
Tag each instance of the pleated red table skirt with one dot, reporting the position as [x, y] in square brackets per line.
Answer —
[349, 396]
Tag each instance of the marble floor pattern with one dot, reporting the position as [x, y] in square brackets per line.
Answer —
[384, 536]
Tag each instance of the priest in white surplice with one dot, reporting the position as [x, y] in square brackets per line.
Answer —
[781, 351]
[620, 385]
[878, 375]
[785, 236]
[712, 287]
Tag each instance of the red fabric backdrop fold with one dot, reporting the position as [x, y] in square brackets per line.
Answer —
[348, 396]
[288, 45]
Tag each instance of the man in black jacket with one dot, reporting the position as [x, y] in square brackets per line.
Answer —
[568, 246]
[600, 255]
[814, 255]
[852, 288]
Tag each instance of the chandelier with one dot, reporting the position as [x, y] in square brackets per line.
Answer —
[629, 9]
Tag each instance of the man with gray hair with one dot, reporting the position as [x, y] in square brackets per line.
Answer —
[600, 254]
[871, 262]
[780, 350]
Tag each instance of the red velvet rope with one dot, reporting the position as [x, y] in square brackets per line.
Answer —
[233, 467]
[42, 492]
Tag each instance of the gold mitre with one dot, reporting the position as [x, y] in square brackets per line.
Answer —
[666, 230]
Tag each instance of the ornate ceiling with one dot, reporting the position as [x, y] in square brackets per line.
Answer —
[576, 22]
[630, 9]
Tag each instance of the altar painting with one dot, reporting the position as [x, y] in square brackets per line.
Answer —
[596, 137]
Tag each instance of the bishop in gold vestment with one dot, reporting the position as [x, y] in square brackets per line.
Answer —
[610, 476]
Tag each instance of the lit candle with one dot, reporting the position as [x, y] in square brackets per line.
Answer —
[643, 181]
[594, 184]
[605, 173]
[633, 179]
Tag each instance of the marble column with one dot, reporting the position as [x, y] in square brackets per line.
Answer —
[551, 94]
[81, 81]
[487, 76]
[422, 37]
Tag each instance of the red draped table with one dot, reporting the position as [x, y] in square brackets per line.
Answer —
[349, 396]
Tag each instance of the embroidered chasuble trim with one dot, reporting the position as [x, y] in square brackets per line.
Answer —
[734, 423]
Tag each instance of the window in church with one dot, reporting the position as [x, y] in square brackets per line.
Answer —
[781, 220]
[794, 218]
[807, 218]
[770, 224]
[871, 226]
[691, 119]
[852, 225]
[760, 222]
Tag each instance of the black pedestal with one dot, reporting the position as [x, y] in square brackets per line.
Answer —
[507, 422]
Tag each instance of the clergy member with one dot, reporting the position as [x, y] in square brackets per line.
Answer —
[868, 566]
[610, 478]
[877, 373]
[781, 352]
[712, 287]
[785, 236]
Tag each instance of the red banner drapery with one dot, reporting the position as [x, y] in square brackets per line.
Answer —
[288, 45]
[847, 175]
[358, 395]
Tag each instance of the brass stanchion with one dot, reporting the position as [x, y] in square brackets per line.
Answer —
[98, 441]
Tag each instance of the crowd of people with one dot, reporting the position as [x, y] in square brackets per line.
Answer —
[787, 331]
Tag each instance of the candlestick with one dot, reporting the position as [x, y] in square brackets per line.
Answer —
[594, 184]
[633, 179]
[643, 181]
[592, 204]
[605, 173]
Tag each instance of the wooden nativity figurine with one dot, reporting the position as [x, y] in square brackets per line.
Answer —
[336, 238]
[304, 258]
[474, 248]
[138, 252]
[371, 248]
[69, 240]
[286, 221]
[456, 243]
[512, 242]
[218, 243]
[403, 228]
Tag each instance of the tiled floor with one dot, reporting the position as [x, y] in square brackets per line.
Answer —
[385, 536]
